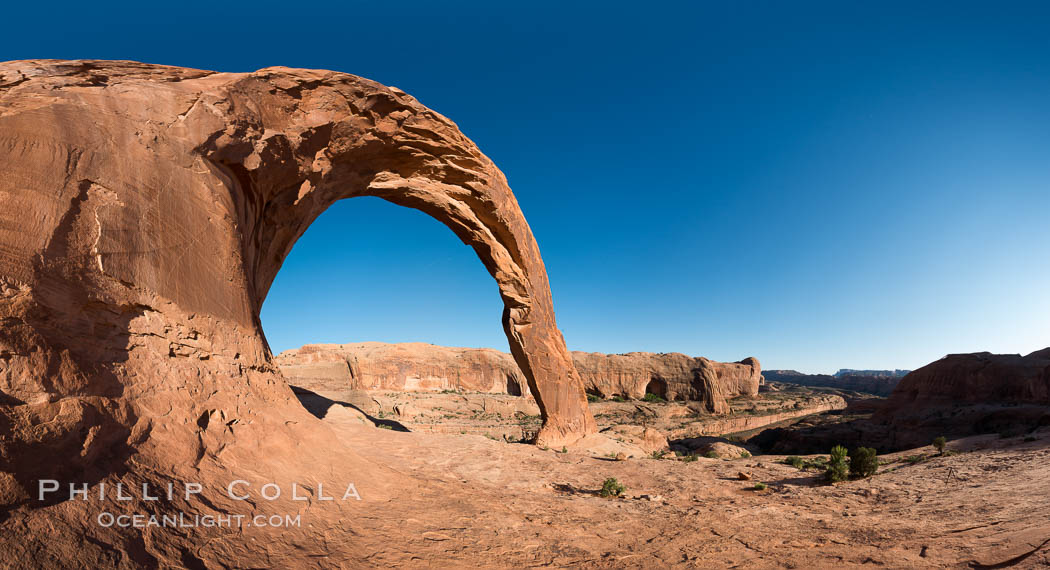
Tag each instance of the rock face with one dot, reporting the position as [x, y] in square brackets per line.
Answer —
[418, 366]
[957, 396]
[672, 376]
[978, 378]
[144, 213]
[880, 384]
[964, 394]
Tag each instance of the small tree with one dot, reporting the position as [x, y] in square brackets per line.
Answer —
[863, 462]
[611, 488]
[939, 443]
[838, 468]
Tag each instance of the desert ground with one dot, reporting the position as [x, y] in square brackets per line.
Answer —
[483, 501]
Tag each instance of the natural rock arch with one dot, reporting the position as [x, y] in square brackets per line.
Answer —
[270, 150]
[144, 213]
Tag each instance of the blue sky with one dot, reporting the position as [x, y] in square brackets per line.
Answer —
[818, 184]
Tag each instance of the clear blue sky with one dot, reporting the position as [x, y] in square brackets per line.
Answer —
[817, 184]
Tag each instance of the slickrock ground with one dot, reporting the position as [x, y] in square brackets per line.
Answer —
[494, 504]
[512, 418]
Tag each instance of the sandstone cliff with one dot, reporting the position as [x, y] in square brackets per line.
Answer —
[957, 396]
[401, 367]
[977, 378]
[419, 366]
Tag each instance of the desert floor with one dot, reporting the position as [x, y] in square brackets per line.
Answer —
[487, 503]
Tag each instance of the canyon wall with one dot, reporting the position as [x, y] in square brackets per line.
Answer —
[976, 378]
[426, 367]
[879, 385]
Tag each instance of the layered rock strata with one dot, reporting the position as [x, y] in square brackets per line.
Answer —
[426, 367]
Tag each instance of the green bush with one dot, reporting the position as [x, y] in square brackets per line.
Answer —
[799, 463]
[744, 454]
[611, 488]
[592, 398]
[658, 454]
[652, 398]
[711, 454]
[690, 457]
[939, 443]
[619, 398]
[838, 468]
[863, 462]
[760, 486]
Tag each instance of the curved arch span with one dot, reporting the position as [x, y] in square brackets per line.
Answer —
[379, 141]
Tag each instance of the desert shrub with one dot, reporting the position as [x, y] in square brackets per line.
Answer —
[863, 462]
[611, 488]
[913, 459]
[803, 464]
[658, 454]
[760, 486]
[838, 468]
[744, 454]
[939, 443]
[712, 454]
[649, 397]
[689, 458]
[592, 398]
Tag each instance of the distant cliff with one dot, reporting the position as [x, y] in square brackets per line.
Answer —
[427, 367]
[877, 384]
[898, 373]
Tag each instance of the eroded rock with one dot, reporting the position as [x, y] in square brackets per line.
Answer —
[426, 367]
[144, 212]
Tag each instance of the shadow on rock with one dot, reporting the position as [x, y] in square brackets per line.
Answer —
[320, 406]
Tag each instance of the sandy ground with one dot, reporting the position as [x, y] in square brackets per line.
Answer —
[486, 503]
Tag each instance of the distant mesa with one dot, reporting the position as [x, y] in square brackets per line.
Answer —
[898, 373]
[877, 382]
[427, 367]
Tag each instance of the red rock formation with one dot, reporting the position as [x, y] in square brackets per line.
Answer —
[414, 366]
[978, 378]
[418, 366]
[673, 376]
[144, 213]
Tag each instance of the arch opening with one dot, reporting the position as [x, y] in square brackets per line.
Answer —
[657, 386]
[369, 271]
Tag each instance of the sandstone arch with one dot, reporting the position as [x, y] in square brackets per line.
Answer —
[270, 151]
[144, 213]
